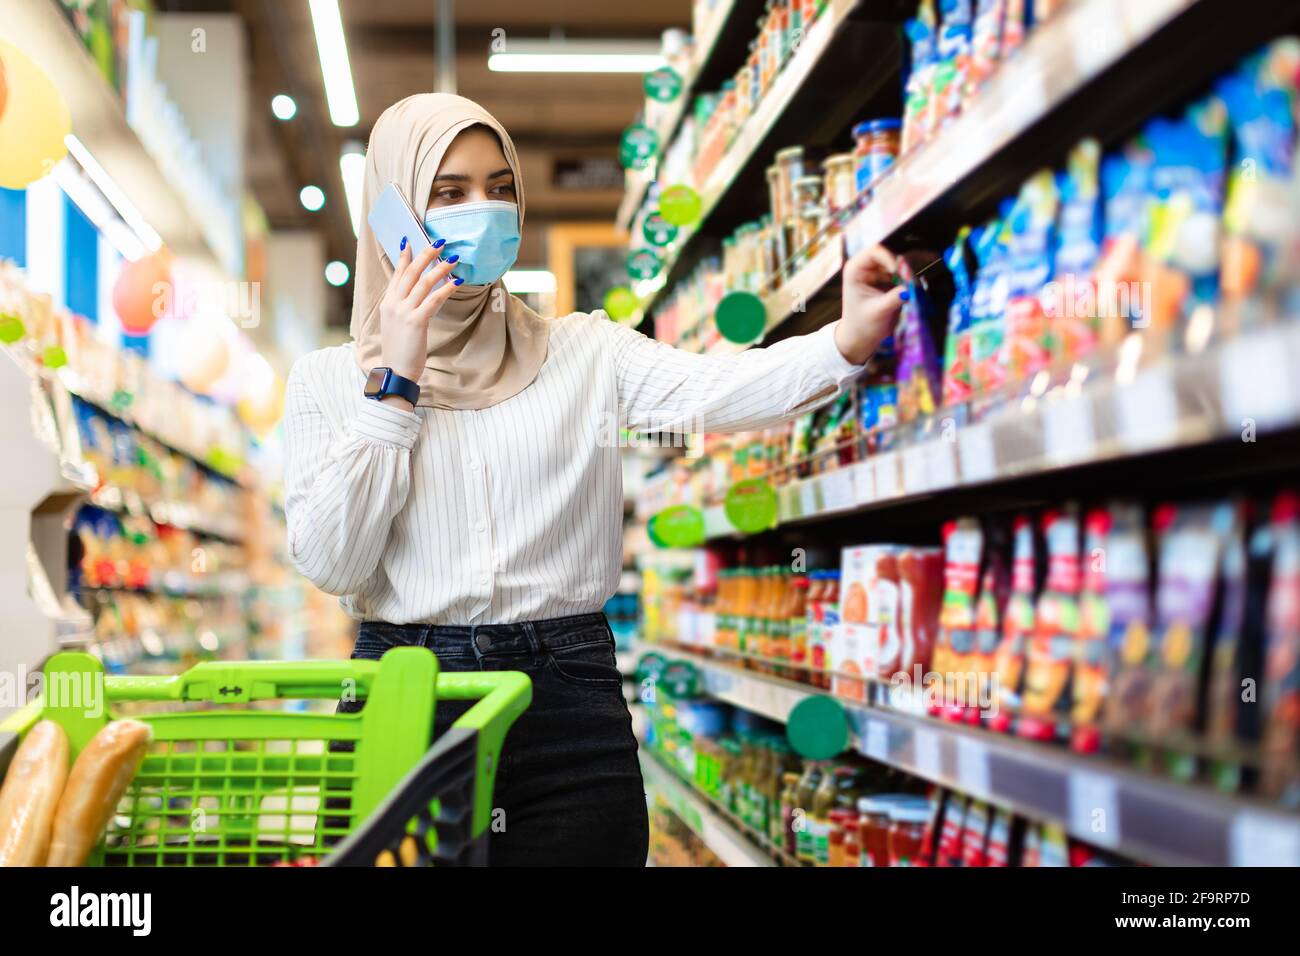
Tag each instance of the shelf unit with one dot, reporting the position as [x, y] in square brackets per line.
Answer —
[727, 841]
[1148, 818]
[42, 30]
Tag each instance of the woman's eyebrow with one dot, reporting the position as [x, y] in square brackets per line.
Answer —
[502, 172]
[451, 178]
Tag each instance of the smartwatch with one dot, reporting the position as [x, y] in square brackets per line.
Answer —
[382, 382]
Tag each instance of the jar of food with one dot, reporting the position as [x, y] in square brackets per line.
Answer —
[852, 841]
[789, 798]
[876, 148]
[790, 168]
[808, 198]
[839, 819]
[802, 814]
[839, 183]
[873, 830]
[907, 821]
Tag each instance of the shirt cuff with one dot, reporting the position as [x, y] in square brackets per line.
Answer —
[382, 423]
[829, 357]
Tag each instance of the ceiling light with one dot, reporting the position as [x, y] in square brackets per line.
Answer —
[96, 208]
[114, 194]
[283, 107]
[520, 281]
[312, 197]
[336, 273]
[335, 69]
[577, 56]
[352, 167]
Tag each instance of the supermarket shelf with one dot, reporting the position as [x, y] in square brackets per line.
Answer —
[719, 834]
[726, 23]
[790, 102]
[178, 514]
[1177, 402]
[44, 33]
[1148, 818]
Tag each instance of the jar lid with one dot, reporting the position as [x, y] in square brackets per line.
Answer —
[790, 152]
[877, 803]
[838, 159]
[910, 811]
[877, 126]
[808, 181]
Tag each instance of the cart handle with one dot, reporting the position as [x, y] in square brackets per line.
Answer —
[502, 697]
[226, 682]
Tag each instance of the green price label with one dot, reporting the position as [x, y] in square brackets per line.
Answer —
[751, 505]
[621, 303]
[681, 526]
[741, 317]
[643, 263]
[637, 146]
[11, 328]
[663, 84]
[818, 728]
[680, 205]
[657, 230]
[679, 679]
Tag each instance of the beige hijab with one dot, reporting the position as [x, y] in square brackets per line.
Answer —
[478, 356]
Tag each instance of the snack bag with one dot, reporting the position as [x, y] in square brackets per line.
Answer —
[974, 844]
[1224, 691]
[963, 541]
[918, 90]
[1017, 626]
[1125, 180]
[919, 368]
[1190, 552]
[988, 304]
[998, 852]
[954, 50]
[1260, 97]
[956, 361]
[1183, 226]
[1029, 253]
[1281, 771]
[1071, 299]
[1014, 24]
[953, 831]
[988, 627]
[1052, 649]
[986, 40]
[1053, 849]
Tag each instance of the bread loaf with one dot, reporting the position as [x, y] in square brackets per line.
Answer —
[100, 776]
[31, 792]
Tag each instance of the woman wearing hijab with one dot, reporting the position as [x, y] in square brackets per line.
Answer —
[470, 499]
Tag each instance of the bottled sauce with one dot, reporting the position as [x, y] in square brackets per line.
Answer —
[802, 812]
[839, 183]
[852, 852]
[746, 595]
[836, 850]
[873, 830]
[789, 800]
[907, 821]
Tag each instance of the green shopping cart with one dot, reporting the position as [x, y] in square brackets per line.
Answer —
[229, 780]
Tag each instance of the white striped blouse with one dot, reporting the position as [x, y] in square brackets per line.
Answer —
[513, 512]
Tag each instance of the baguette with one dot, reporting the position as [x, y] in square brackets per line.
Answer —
[99, 778]
[31, 792]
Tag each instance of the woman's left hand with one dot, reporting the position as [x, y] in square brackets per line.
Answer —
[871, 303]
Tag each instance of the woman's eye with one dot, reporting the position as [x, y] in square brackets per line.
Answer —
[449, 195]
[505, 189]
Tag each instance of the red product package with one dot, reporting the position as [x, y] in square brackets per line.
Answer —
[988, 627]
[975, 836]
[1017, 626]
[999, 843]
[963, 543]
[907, 647]
[1052, 649]
[952, 831]
[1281, 777]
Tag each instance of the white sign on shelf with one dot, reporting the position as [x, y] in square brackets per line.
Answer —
[942, 464]
[837, 489]
[925, 751]
[1094, 808]
[1068, 433]
[1256, 382]
[975, 446]
[1148, 410]
[877, 742]
[1257, 839]
[973, 767]
[887, 478]
[809, 499]
[864, 483]
[916, 477]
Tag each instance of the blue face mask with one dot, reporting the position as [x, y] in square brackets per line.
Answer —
[484, 234]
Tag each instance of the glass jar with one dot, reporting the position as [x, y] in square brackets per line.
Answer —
[839, 819]
[852, 842]
[907, 821]
[839, 183]
[790, 168]
[873, 830]
[875, 150]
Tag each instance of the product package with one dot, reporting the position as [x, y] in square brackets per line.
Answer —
[918, 89]
[957, 360]
[989, 607]
[1029, 259]
[1017, 627]
[1049, 663]
[1071, 299]
[963, 542]
[869, 610]
[1125, 184]
[986, 42]
[1281, 770]
[953, 64]
[989, 303]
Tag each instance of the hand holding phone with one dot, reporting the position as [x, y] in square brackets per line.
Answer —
[416, 292]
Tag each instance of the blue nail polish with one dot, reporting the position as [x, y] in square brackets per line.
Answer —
[402, 247]
[458, 281]
[452, 258]
[439, 243]
[904, 295]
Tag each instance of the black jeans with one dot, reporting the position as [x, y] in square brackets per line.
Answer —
[569, 789]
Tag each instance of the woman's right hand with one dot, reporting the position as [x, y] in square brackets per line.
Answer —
[409, 302]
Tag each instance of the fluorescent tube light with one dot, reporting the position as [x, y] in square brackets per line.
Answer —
[335, 69]
[352, 167]
[123, 206]
[520, 281]
[97, 209]
[577, 56]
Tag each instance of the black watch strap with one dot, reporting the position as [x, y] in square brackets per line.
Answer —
[383, 382]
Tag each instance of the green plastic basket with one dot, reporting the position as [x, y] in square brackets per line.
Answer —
[226, 785]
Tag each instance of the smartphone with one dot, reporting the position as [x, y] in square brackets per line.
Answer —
[391, 218]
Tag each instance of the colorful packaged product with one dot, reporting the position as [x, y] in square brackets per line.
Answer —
[1071, 299]
[998, 851]
[1017, 627]
[1014, 25]
[963, 542]
[1052, 649]
[988, 628]
[909, 647]
[949, 852]
[975, 834]
[918, 90]
[920, 374]
[1224, 689]
[957, 359]
[1281, 738]
[1122, 270]
[953, 64]
[986, 42]
[869, 610]
[989, 303]
[1029, 255]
